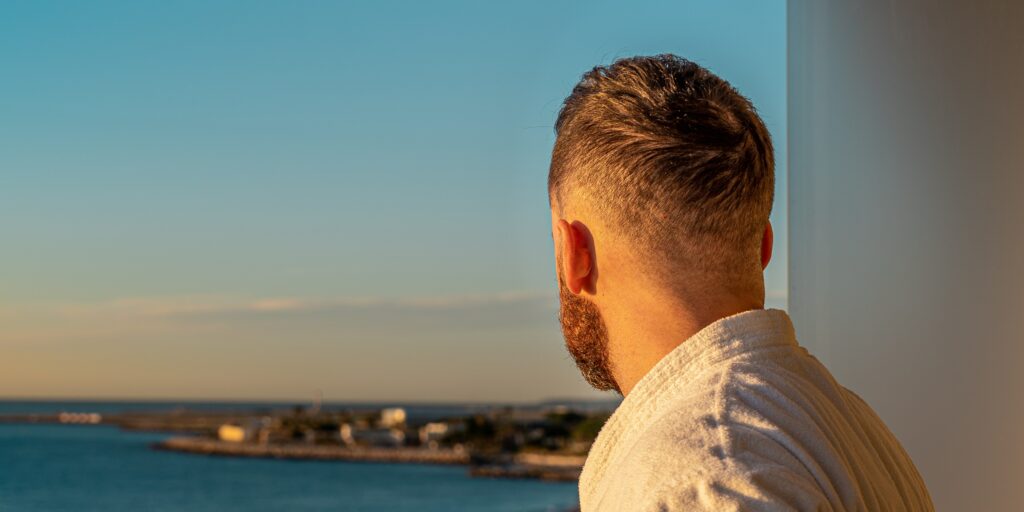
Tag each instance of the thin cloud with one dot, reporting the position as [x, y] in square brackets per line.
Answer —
[183, 306]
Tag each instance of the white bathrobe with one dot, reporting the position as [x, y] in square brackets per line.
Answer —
[741, 417]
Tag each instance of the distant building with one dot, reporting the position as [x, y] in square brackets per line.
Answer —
[233, 433]
[386, 437]
[392, 417]
[250, 430]
[345, 434]
[80, 417]
[432, 433]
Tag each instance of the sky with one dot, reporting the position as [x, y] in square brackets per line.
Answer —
[260, 200]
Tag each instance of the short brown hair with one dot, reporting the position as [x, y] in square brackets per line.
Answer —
[672, 156]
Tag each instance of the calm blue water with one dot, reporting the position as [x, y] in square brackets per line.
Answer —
[87, 468]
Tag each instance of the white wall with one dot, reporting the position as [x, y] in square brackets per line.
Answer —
[906, 217]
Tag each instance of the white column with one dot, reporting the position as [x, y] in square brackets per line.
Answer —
[906, 226]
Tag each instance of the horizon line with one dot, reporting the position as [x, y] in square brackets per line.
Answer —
[305, 400]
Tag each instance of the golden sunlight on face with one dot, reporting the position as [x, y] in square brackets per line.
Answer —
[583, 327]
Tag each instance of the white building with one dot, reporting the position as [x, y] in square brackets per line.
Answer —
[392, 417]
[433, 432]
[233, 433]
[249, 430]
[389, 437]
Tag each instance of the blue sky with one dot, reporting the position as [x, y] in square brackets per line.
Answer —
[258, 199]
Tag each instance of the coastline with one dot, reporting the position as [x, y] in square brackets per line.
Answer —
[204, 446]
[497, 443]
[552, 468]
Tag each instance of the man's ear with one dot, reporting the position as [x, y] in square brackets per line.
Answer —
[576, 246]
[767, 241]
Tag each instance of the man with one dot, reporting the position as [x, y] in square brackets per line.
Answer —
[661, 184]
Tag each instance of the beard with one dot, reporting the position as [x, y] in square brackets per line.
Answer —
[586, 337]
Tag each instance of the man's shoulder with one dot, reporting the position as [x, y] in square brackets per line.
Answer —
[737, 393]
[741, 412]
[691, 460]
[715, 447]
[720, 419]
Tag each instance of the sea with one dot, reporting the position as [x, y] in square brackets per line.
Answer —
[54, 467]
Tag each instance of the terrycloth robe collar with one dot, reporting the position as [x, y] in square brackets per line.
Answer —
[721, 340]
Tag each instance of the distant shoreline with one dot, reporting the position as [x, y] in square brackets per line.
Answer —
[205, 446]
[533, 442]
[285, 402]
[566, 470]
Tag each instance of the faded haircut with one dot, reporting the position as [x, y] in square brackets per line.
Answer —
[672, 157]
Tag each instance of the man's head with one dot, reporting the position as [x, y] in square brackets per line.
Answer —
[668, 171]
